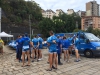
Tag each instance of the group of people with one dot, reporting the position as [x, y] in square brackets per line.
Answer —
[58, 44]
[31, 48]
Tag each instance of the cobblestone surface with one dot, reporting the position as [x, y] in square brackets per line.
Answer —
[9, 66]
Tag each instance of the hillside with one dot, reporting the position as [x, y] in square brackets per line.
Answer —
[16, 12]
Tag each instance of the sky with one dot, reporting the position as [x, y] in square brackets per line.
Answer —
[63, 4]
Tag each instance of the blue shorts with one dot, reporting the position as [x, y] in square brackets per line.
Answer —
[40, 46]
[25, 48]
[52, 51]
[35, 46]
[71, 44]
[65, 48]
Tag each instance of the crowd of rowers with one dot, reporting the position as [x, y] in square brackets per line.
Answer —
[31, 50]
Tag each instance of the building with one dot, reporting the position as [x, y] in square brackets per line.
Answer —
[92, 8]
[70, 11]
[48, 13]
[99, 9]
[88, 21]
[58, 12]
[43, 13]
[81, 13]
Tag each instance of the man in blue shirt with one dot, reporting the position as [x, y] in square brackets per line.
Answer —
[35, 42]
[71, 45]
[59, 45]
[40, 46]
[25, 49]
[75, 43]
[52, 41]
[18, 48]
[65, 47]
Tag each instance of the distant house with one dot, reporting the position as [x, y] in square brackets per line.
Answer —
[70, 11]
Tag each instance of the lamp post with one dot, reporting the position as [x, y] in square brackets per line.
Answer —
[32, 31]
[30, 26]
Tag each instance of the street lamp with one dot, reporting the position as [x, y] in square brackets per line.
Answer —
[32, 31]
[30, 26]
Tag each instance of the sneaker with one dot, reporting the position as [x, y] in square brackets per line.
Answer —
[39, 59]
[32, 60]
[79, 59]
[20, 61]
[68, 61]
[60, 63]
[76, 61]
[53, 67]
[34, 57]
[70, 54]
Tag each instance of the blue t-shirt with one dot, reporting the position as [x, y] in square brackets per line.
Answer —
[18, 43]
[70, 40]
[53, 45]
[26, 41]
[40, 40]
[66, 43]
[62, 42]
[35, 41]
[76, 41]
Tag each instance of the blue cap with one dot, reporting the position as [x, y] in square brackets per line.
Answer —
[39, 35]
[26, 34]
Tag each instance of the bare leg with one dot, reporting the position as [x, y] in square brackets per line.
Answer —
[77, 54]
[23, 58]
[64, 55]
[67, 52]
[37, 54]
[40, 51]
[55, 59]
[28, 55]
[50, 60]
[61, 53]
[32, 55]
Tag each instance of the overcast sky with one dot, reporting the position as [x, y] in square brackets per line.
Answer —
[63, 4]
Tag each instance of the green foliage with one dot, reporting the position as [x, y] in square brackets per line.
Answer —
[62, 24]
[90, 29]
[45, 26]
[96, 32]
[76, 30]
[18, 11]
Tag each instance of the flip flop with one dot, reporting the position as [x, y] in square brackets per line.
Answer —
[27, 65]
[23, 66]
[49, 69]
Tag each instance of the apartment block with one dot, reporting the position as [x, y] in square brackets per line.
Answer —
[48, 13]
[70, 11]
[58, 12]
[92, 8]
[81, 13]
[88, 21]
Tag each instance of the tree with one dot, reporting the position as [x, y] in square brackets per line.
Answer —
[90, 29]
[45, 26]
[96, 32]
[76, 30]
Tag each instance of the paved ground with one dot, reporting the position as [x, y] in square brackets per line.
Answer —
[8, 66]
